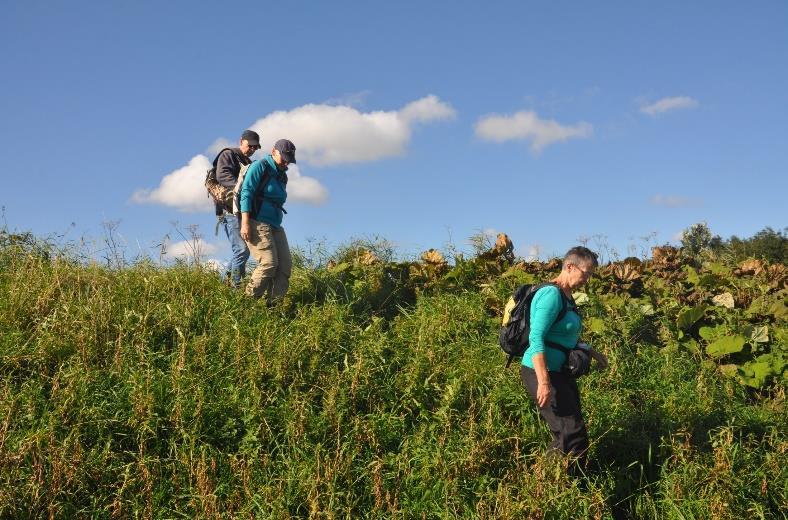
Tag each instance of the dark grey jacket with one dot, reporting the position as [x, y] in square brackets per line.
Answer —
[228, 166]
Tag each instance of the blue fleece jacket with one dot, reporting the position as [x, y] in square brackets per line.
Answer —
[544, 310]
[274, 192]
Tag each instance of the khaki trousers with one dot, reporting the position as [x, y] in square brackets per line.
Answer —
[269, 248]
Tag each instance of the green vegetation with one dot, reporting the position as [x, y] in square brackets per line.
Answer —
[376, 390]
[767, 244]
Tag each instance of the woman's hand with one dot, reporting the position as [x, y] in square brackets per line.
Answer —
[543, 394]
[543, 390]
[246, 227]
[600, 358]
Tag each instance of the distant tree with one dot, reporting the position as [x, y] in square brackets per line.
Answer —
[767, 244]
[697, 239]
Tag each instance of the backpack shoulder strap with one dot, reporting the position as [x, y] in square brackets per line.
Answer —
[259, 191]
[561, 314]
[266, 177]
[564, 305]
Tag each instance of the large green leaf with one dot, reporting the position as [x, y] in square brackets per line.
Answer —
[775, 359]
[712, 333]
[580, 298]
[779, 310]
[689, 316]
[711, 280]
[692, 275]
[725, 346]
[614, 301]
[756, 373]
[764, 306]
[691, 345]
[756, 307]
[718, 268]
[596, 325]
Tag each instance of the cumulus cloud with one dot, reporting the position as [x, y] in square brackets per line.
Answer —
[669, 103]
[527, 126]
[183, 188]
[673, 201]
[304, 189]
[214, 264]
[528, 252]
[426, 109]
[328, 135]
[189, 249]
[323, 134]
[219, 145]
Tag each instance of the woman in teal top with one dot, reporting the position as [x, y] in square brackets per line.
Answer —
[555, 392]
[263, 192]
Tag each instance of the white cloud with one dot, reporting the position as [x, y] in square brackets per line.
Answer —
[219, 145]
[527, 126]
[426, 109]
[669, 103]
[529, 253]
[323, 134]
[214, 264]
[673, 201]
[183, 188]
[326, 135]
[304, 189]
[189, 249]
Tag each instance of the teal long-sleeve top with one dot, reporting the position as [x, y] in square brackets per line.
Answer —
[274, 192]
[544, 310]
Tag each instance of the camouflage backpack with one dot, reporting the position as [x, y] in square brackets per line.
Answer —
[222, 196]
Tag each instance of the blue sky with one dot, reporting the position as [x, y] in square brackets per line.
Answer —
[419, 122]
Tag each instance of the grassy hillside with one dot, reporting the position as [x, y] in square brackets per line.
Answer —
[377, 390]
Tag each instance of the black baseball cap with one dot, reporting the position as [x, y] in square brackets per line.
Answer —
[251, 137]
[286, 149]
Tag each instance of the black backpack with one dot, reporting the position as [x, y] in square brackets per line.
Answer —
[513, 336]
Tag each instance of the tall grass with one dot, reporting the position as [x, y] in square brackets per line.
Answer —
[159, 393]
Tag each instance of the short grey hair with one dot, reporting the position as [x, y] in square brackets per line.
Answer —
[580, 254]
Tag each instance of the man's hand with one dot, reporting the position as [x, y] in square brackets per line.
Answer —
[543, 394]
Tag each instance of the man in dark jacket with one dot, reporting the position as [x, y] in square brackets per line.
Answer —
[228, 166]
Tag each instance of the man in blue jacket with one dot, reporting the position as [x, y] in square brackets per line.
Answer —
[262, 196]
